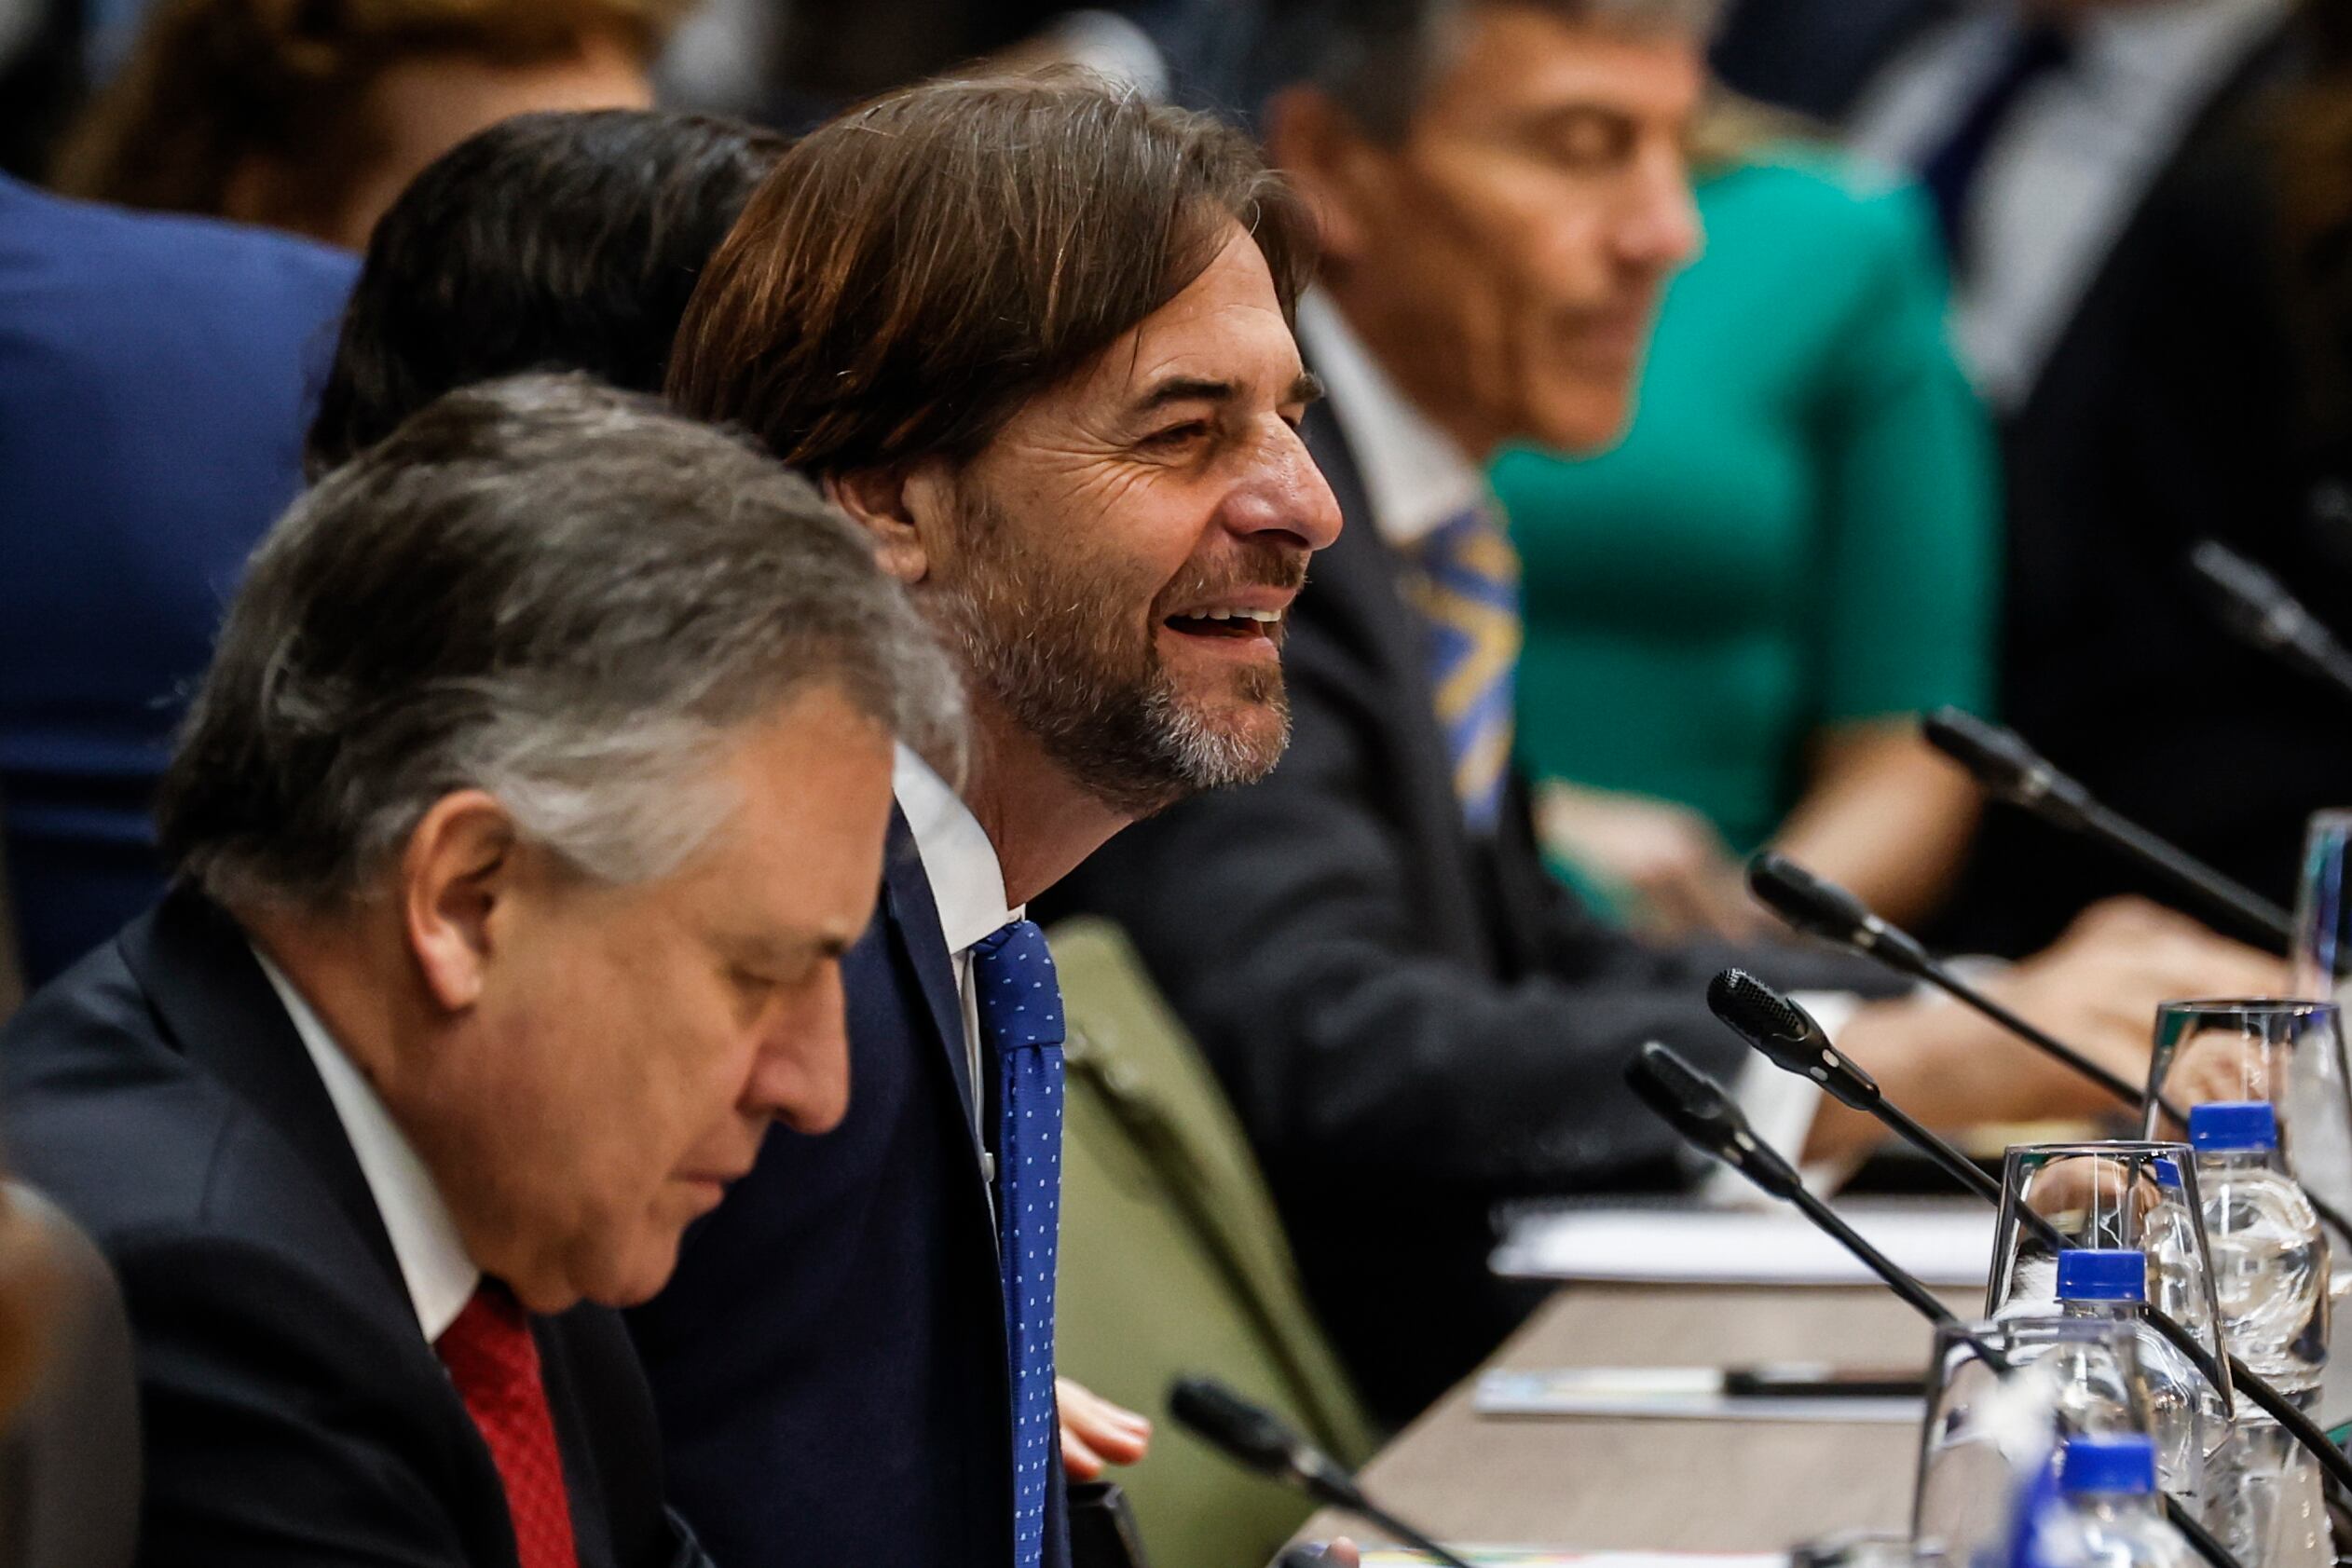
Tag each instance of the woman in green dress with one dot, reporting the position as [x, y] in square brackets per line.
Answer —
[1733, 616]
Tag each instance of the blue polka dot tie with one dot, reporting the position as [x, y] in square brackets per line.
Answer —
[1020, 1022]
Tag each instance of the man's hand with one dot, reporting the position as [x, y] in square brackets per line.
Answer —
[2095, 988]
[1665, 862]
[2098, 988]
[1095, 1432]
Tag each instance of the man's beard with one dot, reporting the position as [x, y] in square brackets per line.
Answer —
[1040, 639]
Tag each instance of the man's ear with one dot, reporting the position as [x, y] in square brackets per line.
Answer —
[886, 503]
[456, 876]
[1328, 159]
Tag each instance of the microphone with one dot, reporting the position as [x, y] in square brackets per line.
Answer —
[1694, 1105]
[2010, 770]
[1257, 1440]
[2257, 606]
[1824, 910]
[1788, 1035]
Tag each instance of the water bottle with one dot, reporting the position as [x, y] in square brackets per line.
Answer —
[2109, 1515]
[2183, 1409]
[2173, 1239]
[2270, 1278]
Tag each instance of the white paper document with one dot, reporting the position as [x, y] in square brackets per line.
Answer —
[1944, 1244]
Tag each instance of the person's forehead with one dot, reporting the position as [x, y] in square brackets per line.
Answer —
[1226, 324]
[1513, 57]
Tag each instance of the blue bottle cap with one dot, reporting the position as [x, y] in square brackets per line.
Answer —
[2168, 1173]
[2101, 1273]
[2232, 1124]
[2116, 1464]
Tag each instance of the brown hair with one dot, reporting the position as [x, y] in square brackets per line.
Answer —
[212, 82]
[917, 269]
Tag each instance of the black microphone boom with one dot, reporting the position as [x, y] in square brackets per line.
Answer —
[1701, 1110]
[1788, 1035]
[2010, 770]
[1258, 1439]
[2257, 606]
[1824, 910]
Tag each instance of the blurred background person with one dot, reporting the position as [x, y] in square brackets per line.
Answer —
[1814, 56]
[550, 241]
[1733, 613]
[2206, 392]
[155, 379]
[2042, 132]
[311, 118]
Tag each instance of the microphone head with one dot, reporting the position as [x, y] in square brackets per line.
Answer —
[1788, 1035]
[1807, 902]
[1705, 1115]
[1816, 908]
[1248, 1433]
[1998, 758]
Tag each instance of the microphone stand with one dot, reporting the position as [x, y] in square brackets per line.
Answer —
[2257, 606]
[1743, 1003]
[2009, 770]
[1652, 1076]
[1821, 908]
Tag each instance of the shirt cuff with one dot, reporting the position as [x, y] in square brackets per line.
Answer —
[1781, 1107]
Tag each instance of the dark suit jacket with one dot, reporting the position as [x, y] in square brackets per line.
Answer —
[293, 1413]
[1415, 1023]
[156, 375]
[2170, 410]
[830, 1357]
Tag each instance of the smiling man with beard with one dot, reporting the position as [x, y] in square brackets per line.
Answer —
[1035, 337]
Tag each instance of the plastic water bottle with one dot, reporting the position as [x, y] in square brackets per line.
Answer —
[2270, 1278]
[2182, 1407]
[2110, 1516]
[2173, 1238]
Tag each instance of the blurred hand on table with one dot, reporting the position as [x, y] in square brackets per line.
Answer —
[1095, 1432]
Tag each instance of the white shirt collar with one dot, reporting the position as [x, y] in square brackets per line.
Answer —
[433, 1264]
[1414, 475]
[967, 881]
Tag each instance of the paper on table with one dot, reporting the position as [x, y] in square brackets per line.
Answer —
[1524, 1557]
[1943, 1244]
[1668, 1393]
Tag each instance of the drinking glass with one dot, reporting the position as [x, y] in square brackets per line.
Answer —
[2288, 1051]
[2117, 1194]
[1996, 1397]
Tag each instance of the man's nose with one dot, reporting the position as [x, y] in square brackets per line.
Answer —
[1284, 492]
[1659, 226]
[802, 1076]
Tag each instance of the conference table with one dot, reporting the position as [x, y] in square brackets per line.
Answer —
[1655, 1484]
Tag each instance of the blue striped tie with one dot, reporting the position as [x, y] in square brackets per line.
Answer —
[1020, 1001]
[1466, 585]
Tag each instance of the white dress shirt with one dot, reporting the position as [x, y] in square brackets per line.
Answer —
[2069, 164]
[1415, 477]
[433, 1264]
[967, 886]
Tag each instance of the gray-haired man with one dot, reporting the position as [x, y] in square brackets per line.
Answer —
[536, 791]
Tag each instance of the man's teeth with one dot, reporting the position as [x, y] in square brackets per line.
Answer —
[1263, 617]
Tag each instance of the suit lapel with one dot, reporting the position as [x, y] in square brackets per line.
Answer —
[922, 947]
[199, 970]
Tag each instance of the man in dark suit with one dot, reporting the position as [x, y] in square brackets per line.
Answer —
[1068, 418]
[1414, 1021]
[154, 376]
[2103, 170]
[537, 787]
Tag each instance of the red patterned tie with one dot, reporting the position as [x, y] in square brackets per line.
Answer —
[494, 1362]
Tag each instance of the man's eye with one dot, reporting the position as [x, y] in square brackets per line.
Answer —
[1179, 435]
[1589, 141]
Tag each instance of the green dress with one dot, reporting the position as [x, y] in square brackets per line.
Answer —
[1798, 531]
